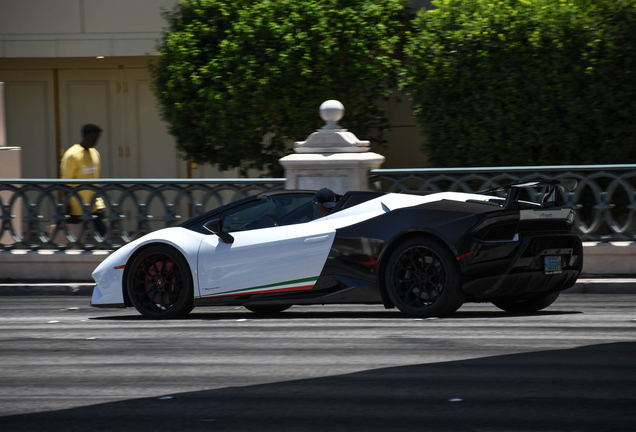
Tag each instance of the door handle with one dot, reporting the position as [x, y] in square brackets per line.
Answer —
[320, 239]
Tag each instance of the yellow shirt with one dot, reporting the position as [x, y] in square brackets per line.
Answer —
[79, 163]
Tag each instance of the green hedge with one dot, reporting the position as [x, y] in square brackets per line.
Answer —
[239, 80]
[525, 82]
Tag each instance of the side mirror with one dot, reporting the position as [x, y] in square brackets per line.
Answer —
[214, 226]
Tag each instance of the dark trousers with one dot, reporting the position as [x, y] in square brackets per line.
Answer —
[98, 222]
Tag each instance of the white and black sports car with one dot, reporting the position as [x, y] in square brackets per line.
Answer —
[425, 254]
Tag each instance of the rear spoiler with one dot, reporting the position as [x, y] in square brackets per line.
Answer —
[513, 189]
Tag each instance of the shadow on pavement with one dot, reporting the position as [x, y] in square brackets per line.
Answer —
[590, 388]
[291, 315]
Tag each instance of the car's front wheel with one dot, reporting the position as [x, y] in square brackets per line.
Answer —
[533, 304]
[422, 278]
[159, 283]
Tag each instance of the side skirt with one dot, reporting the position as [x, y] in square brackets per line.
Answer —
[368, 294]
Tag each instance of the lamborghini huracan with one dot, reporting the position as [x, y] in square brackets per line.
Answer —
[425, 253]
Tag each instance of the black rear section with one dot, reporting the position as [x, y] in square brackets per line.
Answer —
[508, 256]
[504, 248]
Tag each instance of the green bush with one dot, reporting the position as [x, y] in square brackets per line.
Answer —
[525, 82]
[238, 80]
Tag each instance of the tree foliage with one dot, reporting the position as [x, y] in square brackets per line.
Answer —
[238, 80]
[525, 82]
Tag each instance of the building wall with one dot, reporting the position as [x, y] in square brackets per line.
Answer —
[48, 101]
[80, 28]
[55, 82]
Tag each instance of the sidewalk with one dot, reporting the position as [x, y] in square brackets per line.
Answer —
[29, 288]
[583, 286]
[608, 268]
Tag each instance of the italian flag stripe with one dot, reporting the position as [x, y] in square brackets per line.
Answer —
[295, 285]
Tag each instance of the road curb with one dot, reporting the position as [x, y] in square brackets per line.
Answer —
[47, 289]
[603, 286]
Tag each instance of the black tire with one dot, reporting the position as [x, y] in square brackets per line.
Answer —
[267, 309]
[159, 283]
[526, 305]
[422, 278]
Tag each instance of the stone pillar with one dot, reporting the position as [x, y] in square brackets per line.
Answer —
[331, 157]
[3, 124]
[10, 162]
[10, 167]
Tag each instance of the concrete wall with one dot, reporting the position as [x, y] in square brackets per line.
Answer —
[80, 28]
[49, 99]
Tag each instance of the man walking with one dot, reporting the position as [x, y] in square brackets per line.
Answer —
[82, 161]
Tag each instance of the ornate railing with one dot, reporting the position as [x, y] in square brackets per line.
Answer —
[34, 212]
[605, 199]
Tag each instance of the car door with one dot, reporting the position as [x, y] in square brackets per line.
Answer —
[263, 259]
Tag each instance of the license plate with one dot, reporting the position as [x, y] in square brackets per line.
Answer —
[552, 265]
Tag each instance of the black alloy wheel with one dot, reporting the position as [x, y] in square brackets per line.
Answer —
[159, 283]
[422, 278]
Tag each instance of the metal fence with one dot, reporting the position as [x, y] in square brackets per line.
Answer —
[34, 212]
[605, 199]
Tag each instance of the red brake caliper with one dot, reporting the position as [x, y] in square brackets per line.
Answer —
[156, 285]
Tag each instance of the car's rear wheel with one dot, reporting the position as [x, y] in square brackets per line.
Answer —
[267, 309]
[422, 278]
[159, 283]
[526, 305]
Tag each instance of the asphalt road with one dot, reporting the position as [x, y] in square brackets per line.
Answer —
[65, 366]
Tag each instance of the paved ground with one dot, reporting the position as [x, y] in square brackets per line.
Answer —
[68, 367]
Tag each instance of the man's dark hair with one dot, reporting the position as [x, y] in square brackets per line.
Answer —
[90, 128]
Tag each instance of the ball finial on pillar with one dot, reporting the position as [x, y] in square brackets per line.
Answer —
[331, 112]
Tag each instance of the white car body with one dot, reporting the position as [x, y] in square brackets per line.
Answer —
[262, 260]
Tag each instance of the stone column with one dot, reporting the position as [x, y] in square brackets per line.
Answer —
[10, 162]
[10, 167]
[3, 125]
[331, 157]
